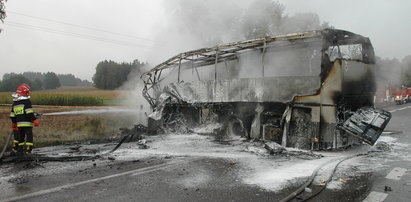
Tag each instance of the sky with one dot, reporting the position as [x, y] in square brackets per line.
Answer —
[72, 36]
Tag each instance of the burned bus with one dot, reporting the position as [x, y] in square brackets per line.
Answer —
[299, 90]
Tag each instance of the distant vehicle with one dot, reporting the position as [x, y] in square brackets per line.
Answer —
[295, 89]
[402, 95]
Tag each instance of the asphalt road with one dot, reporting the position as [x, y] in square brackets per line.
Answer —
[379, 176]
[397, 175]
[176, 179]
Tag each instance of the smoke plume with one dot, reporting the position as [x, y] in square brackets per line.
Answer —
[193, 24]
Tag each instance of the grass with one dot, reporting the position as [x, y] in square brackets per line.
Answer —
[54, 130]
[69, 128]
[71, 96]
[65, 100]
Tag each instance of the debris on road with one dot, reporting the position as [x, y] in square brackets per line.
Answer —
[142, 144]
[387, 188]
[135, 134]
[274, 148]
[343, 180]
[308, 190]
[382, 146]
[367, 124]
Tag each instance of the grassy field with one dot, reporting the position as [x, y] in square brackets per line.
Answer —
[70, 96]
[55, 130]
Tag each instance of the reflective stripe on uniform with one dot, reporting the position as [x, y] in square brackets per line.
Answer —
[18, 109]
[12, 114]
[22, 144]
[29, 110]
[29, 144]
[24, 124]
[15, 141]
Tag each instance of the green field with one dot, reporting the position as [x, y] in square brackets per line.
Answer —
[60, 129]
[55, 130]
[73, 96]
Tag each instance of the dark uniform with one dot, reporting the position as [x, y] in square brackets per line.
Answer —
[23, 115]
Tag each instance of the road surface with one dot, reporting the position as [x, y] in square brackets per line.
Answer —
[197, 168]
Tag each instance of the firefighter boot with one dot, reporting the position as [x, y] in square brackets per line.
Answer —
[15, 147]
[29, 147]
[20, 150]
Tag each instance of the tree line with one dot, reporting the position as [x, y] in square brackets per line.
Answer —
[40, 81]
[394, 72]
[111, 75]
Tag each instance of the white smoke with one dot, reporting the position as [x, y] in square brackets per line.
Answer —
[194, 24]
[131, 92]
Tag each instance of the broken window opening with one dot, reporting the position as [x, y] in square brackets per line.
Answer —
[346, 52]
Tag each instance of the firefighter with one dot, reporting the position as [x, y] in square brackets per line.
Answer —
[23, 119]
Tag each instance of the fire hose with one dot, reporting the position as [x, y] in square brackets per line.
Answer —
[5, 145]
[59, 158]
[313, 175]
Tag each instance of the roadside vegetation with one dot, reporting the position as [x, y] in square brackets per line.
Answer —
[70, 96]
[61, 129]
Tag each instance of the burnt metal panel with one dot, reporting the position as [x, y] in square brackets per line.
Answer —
[358, 78]
[367, 124]
[274, 89]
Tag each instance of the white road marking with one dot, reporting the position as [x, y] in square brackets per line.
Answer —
[391, 132]
[394, 110]
[375, 197]
[396, 173]
[131, 172]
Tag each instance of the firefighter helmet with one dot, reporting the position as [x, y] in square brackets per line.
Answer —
[23, 90]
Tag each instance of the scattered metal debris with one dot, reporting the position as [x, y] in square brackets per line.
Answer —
[136, 133]
[367, 124]
[387, 188]
[274, 148]
[382, 146]
[306, 155]
[18, 180]
[142, 144]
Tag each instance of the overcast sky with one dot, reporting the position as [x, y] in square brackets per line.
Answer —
[72, 36]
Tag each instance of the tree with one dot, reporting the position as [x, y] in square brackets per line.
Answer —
[37, 84]
[51, 81]
[406, 66]
[11, 83]
[111, 75]
[71, 80]
[2, 10]
[33, 75]
[301, 22]
[99, 77]
[263, 18]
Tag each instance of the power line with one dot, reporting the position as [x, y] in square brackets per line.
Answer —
[81, 26]
[45, 29]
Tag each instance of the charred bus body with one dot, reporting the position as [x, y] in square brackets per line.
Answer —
[294, 89]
